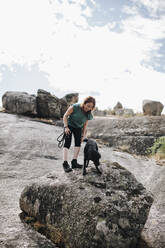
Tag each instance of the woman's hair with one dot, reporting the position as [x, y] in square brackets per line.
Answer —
[89, 99]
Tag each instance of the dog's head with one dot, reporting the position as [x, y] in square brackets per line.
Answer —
[95, 156]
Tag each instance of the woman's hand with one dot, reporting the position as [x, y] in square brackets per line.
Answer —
[82, 137]
[67, 130]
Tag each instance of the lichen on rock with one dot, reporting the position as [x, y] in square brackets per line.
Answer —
[91, 211]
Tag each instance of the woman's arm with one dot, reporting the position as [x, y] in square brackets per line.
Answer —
[65, 119]
[84, 130]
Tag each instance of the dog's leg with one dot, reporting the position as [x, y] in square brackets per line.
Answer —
[84, 167]
[98, 170]
[87, 162]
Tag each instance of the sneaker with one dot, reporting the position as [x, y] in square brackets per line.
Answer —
[66, 166]
[75, 164]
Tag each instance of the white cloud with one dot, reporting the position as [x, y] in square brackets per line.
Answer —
[93, 2]
[154, 7]
[130, 10]
[147, 28]
[26, 28]
[79, 57]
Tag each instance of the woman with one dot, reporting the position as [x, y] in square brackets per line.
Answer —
[75, 122]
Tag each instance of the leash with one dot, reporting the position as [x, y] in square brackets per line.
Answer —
[61, 139]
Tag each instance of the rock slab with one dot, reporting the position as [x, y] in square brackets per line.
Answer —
[107, 211]
[134, 134]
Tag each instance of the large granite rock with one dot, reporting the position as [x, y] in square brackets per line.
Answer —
[107, 211]
[118, 106]
[50, 106]
[68, 100]
[120, 111]
[19, 103]
[71, 98]
[152, 107]
[134, 135]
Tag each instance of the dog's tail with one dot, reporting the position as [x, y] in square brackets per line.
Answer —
[85, 140]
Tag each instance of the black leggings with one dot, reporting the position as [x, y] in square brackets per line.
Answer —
[77, 137]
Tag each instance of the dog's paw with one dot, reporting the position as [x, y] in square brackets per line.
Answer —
[84, 173]
[98, 170]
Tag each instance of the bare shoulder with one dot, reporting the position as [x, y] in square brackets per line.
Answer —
[69, 111]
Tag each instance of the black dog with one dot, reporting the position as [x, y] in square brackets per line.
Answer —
[91, 153]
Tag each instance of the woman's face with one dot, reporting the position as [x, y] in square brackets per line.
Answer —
[88, 106]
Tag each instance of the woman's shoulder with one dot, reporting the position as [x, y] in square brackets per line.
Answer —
[76, 106]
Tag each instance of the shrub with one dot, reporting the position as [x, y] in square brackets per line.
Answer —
[158, 148]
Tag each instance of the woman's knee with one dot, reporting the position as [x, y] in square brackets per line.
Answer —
[68, 140]
[67, 145]
[78, 143]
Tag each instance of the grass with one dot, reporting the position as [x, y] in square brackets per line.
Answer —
[157, 151]
[124, 148]
[2, 110]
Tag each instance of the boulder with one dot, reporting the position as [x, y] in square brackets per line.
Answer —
[50, 106]
[152, 107]
[120, 111]
[71, 98]
[118, 106]
[68, 100]
[19, 103]
[92, 211]
[64, 106]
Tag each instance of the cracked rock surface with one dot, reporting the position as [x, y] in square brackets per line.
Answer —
[29, 150]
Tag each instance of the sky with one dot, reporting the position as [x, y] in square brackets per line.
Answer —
[113, 50]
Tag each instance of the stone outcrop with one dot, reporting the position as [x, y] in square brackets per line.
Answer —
[118, 106]
[152, 107]
[134, 135]
[20, 103]
[92, 211]
[71, 98]
[45, 105]
[48, 106]
[68, 100]
[120, 111]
